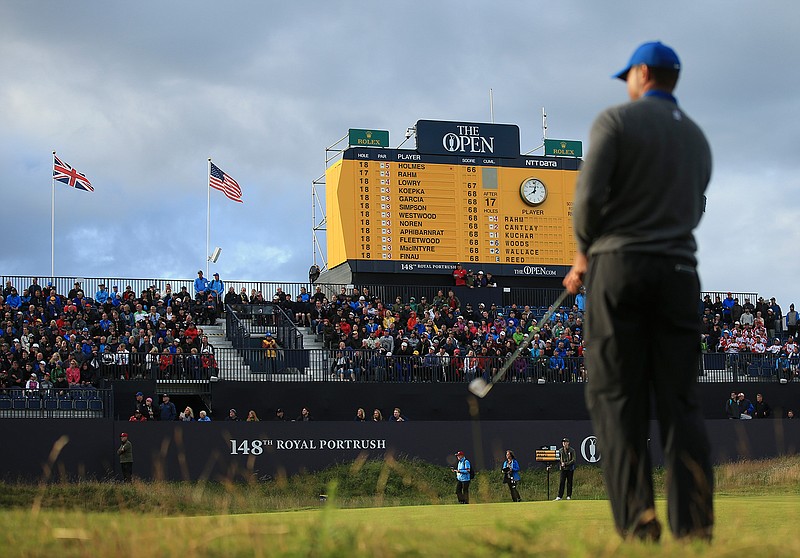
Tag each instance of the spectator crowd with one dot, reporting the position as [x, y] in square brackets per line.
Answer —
[436, 340]
[78, 339]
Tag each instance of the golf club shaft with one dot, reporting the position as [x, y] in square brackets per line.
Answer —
[528, 338]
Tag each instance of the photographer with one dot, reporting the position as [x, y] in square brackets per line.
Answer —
[511, 475]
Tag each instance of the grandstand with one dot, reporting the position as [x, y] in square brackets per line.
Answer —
[324, 333]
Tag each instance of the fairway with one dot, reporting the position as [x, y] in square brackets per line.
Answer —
[566, 528]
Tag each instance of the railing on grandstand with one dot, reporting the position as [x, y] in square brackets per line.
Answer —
[748, 367]
[520, 296]
[375, 366]
[74, 402]
[245, 321]
[255, 363]
[180, 367]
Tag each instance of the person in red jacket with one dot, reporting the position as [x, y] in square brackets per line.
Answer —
[460, 276]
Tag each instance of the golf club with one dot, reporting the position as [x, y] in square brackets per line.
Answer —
[480, 387]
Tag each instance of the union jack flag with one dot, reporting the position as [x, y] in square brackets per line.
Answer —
[62, 172]
[224, 183]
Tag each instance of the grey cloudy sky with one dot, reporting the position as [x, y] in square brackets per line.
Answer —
[138, 96]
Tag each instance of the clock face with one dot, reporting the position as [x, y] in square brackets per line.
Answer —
[533, 191]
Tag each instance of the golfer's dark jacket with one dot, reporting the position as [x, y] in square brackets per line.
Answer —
[641, 187]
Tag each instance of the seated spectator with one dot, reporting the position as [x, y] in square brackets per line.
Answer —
[203, 416]
[73, 373]
[232, 416]
[360, 415]
[305, 416]
[137, 416]
[32, 386]
[187, 415]
[377, 416]
[252, 416]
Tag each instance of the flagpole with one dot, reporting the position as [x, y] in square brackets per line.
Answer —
[53, 222]
[208, 215]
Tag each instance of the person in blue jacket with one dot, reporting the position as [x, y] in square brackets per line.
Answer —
[463, 471]
[511, 475]
[200, 284]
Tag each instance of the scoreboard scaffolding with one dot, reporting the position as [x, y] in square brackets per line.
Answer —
[464, 195]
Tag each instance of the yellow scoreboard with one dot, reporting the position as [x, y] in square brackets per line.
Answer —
[464, 195]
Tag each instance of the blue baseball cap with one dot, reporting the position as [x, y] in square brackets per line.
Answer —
[655, 55]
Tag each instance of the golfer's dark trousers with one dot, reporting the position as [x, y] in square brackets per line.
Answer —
[643, 338]
[565, 480]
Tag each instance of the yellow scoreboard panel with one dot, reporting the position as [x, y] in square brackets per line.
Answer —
[394, 210]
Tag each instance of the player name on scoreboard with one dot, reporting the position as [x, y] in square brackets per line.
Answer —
[412, 208]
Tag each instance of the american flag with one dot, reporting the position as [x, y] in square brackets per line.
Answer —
[224, 183]
[62, 172]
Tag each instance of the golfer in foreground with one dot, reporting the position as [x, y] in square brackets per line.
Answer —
[639, 197]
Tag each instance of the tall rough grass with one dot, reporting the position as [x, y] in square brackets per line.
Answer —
[360, 484]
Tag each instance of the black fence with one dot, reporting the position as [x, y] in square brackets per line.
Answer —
[255, 363]
[74, 402]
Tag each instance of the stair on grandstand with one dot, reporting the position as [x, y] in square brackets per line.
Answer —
[315, 363]
[228, 368]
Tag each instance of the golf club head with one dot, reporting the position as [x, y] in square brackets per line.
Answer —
[479, 387]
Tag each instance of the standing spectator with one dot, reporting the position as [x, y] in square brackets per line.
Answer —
[138, 404]
[745, 407]
[566, 461]
[463, 471]
[792, 321]
[216, 287]
[732, 407]
[125, 453]
[637, 202]
[151, 411]
[762, 408]
[459, 276]
[187, 415]
[313, 273]
[777, 315]
[168, 412]
[270, 347]
[511, 475]
[200, 284]
[580, 299]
